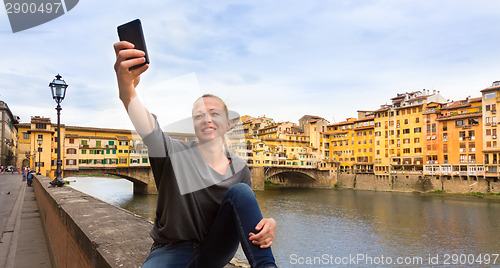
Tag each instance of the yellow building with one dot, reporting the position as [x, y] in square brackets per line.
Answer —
[491, 148]
[364, 145]
[342, 144]
[398, 133]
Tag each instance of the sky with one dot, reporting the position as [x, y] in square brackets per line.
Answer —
[281, 59]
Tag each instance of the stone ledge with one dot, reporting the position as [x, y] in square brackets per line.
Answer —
[106, 236]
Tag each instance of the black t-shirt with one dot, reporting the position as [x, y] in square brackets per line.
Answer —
[189, 191]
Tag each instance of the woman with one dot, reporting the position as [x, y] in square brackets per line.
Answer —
[205, 206]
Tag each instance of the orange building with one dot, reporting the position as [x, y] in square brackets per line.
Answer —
[453, 140]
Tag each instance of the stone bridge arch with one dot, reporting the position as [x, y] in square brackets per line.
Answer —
[299, 177]
[141, 177]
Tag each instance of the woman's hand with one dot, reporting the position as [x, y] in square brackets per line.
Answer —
[128, 80]
[265, 237]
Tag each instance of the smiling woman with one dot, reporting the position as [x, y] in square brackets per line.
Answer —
[205, 205]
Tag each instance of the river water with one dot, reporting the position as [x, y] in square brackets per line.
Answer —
[334, 228]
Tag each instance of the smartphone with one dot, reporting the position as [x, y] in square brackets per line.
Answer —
[132, 32]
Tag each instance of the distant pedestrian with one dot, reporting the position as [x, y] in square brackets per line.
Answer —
[30, 177]
[24, 175]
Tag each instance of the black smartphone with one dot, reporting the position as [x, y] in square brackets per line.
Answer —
[132, 32]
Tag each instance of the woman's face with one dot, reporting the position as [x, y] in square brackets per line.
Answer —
[209, 119]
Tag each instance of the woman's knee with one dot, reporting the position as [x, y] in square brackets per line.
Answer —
[240, 191]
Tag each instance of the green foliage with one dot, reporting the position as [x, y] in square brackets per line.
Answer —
[438, 192]
[270, 183]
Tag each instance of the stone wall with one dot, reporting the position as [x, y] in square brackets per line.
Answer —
[86, 232]
[463, 184]
[371, 182]
[419, 183]
[346, 181]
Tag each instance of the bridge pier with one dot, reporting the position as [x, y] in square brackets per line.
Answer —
[142, 188]
[258, 178]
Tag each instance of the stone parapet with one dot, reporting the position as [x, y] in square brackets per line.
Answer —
[86, 232]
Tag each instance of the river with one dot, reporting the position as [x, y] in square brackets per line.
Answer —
[327, 228]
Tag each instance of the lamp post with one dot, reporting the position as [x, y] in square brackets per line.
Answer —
[34, 163]
[58, 87]
[39, 152]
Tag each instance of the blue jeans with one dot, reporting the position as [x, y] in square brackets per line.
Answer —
[238, 215]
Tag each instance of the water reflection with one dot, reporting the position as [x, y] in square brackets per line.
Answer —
[313, 222]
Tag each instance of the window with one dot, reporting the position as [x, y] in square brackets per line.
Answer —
[406, 131]
[417, 120]
[111, 143]
[487, 107]
[406, 121]
[473, 121]
[472, 146]
[97, 144]
[70, 161]
[489, 95]
[417, 130]
[406, 150]
[445, 148]
[416, 140]
[84, 151]
[84, 142]
[459, 123]
[40, 136]
[445, 137]
[71, 151]
[71, 141]
[26, 135]
[488, 132]
[445, 127]
[41, 125]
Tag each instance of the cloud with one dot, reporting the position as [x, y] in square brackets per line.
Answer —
[279, 58]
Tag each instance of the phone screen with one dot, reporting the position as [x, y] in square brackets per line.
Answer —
[132, 32]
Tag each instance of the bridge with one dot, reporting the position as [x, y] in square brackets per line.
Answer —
[300, 177]
[142, 177]
[143, 180]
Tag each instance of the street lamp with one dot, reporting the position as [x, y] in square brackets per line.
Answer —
[39, 152]
[34, 159]
[58, 87]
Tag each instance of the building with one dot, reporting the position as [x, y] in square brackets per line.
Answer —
[82, 148]
[398, 132]
[453, 138]
[341, 144]
[491, 149]
[8, 137]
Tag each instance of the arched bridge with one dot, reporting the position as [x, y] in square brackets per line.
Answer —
[294, 177]
[142, 177]
[143, 180]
